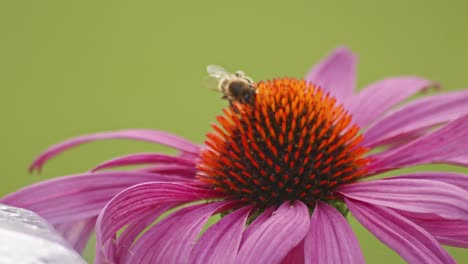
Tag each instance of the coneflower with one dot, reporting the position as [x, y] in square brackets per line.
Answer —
[282, 172]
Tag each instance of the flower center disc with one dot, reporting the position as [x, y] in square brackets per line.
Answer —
[293, 143]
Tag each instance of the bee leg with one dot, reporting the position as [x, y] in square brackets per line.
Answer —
[233, 107]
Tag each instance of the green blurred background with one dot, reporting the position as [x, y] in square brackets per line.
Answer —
[74, 67]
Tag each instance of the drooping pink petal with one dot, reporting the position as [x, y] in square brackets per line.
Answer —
[461, 242]
[458, 179]
[440, 146]
[410, 241]
[153, 136]
[295, 255]
[420, 114]
[99, 257]
[172, 169]
[190, 155]
[138, 199]
[77, 197]
[77, 234]
[446, 231]
[461, 160]
[135, 228]
[118, 248]
[376, 99]
[221, 242]
[417, 196]
[257, 223]
[277, 236]
[330, 238]
[401, 139]
[336, 73]
[172, 239]
[143, 158]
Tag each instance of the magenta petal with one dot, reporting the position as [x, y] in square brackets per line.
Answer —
[77, 234]
[172, 239]
[458, 179]
[295, 255]
[257, 223]
[453, 241]
[277, 236]
[220, 243]
[379, 97]
[118, 249]
[399, 140]
[417, 196]
[461, 160]
[330, 238]
[420, 114]
[138, 199]
[99, 257]
[442, 145]
[144, 158]
[135, 228]
[172, 169]
[413, 243]
[152, 136]
[77, 197]
[336, 73]
[448, 232]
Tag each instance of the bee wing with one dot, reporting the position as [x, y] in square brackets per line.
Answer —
[216, 71]
[211, 83]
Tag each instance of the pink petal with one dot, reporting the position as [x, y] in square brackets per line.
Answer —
[277, 236]
[172, 239]
[77, 234]
[220, 243]
[99, 258]
[417, 196]
[458, 179]
[377, 98]
[448, 232]
[138, 199]
[296, 255]
[152, 136]
[453, 241]
[421, 114]
[336, 74]
[330, 238]
[118, 249]
[442, 145]
[413, 243]
[257, 223]
[77, 197]
[461, 160]
[172, 169]
[401, 139]
[144, 158]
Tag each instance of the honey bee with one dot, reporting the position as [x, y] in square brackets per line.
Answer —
[234, 86]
